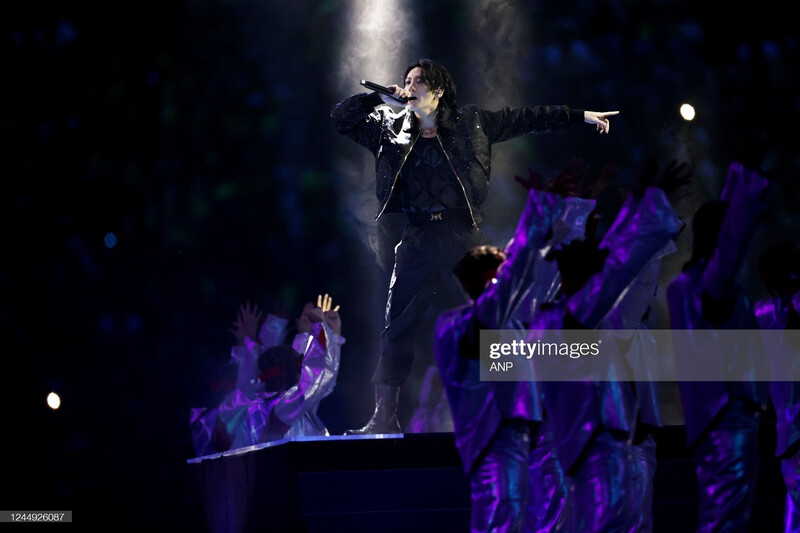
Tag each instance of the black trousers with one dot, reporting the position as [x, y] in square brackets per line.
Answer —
[422, 276]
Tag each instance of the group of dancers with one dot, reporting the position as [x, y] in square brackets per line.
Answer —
[539, 455]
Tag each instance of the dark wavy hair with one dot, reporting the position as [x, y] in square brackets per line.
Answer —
[706, 225]
[279, 368]
[436, 76]
[578, 261]
[476, 267]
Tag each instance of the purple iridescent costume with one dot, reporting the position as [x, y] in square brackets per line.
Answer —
[722, 418]
[496, 424]
[250, 415]
[594, 422]
[771, 314]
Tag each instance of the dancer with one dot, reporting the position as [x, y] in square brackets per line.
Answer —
[505, 442]
[721, 417]
[594, 422]
[279, 387]
[779, 269]
[497, 424]
[433, 162]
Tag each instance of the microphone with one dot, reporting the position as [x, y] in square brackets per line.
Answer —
[385, 90]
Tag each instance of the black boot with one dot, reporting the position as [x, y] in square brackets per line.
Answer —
[384, 419]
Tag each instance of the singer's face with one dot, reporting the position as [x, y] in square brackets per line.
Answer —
[415, 85]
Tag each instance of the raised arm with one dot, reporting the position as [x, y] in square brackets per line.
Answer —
[745, 192]
[499, 302]
[320, 368]
[641, 230]
[357, 118]
[247, 348]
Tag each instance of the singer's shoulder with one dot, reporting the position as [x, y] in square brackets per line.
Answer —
[468, 112]
[392, 113]
[468, 108]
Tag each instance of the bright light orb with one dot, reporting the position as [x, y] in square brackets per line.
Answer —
[687, 112]
[53, 400]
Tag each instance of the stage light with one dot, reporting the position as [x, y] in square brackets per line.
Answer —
[687, 112]
[53, 401]
[377, 43]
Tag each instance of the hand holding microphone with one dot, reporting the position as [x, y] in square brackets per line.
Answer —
[386, 91]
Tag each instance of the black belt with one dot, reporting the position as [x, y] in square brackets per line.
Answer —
[440, 217]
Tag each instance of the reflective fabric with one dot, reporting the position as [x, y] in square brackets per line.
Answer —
[746, 194]
[790, 468]
[249, 415]
[727, 461]
[202, 423]
[601, 495]
[547, 499]
[643, 227]
[785, 394]
[636, 298]
[478, 407]
[643, 471]
[577, 410]
[499, 484]
[491, 419]
[702, 401]
[317, 380]
[568, 226]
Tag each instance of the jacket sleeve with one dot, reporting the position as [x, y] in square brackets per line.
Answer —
[745, 191]
[509, 123]
[500, 301]
[637, 297]
[358, 119]
[317, 378]
[642, 228]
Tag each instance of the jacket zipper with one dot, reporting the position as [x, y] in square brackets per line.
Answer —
[394, 182]
[463, 190]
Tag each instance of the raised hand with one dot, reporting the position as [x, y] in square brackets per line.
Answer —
[608, 176]
[304, 323]
[675, 181]
[325, 303]
[334, 321]
[534, 180]
[646, 177]
[246, 323]
[570, 179]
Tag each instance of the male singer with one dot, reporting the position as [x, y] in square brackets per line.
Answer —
[433, 162]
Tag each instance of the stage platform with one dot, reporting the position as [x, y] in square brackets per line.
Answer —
[409, 483]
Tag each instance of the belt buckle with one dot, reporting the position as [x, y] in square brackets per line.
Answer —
[436, 216]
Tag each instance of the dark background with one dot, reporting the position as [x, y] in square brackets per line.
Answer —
[166, 161]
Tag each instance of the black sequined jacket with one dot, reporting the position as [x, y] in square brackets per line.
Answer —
[466, 136]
